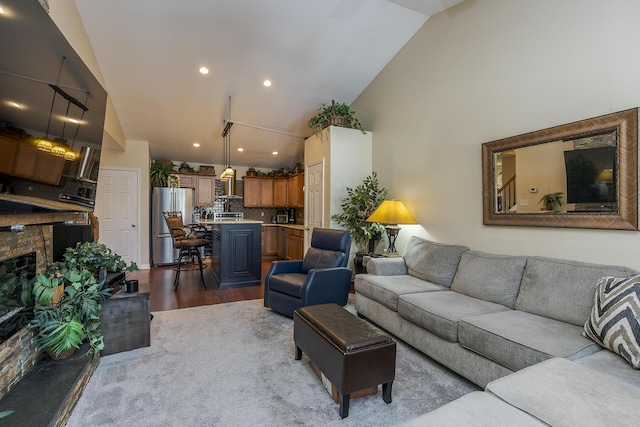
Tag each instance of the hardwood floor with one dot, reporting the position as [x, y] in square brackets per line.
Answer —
[190, 291]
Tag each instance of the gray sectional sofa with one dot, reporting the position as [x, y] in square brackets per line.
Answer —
[506, 323]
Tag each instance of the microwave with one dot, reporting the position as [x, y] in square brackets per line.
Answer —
[282, 218]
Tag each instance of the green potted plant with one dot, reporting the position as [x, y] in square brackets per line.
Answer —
[356, 208]
[67, 311]
[252, 171]
[551, 201]
[339, 114]
[93, 256]
[159, 174]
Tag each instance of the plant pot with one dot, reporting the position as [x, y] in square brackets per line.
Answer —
[63, 355]
[251, 173]
[358, 266]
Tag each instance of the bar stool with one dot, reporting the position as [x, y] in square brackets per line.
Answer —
[186, 240]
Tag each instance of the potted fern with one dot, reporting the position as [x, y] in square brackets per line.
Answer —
[339, 114]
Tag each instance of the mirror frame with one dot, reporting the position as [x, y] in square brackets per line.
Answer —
[626, 122]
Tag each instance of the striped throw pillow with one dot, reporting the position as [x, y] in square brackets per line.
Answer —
[614, 322]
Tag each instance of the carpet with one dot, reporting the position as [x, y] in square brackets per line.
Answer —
[233, 365]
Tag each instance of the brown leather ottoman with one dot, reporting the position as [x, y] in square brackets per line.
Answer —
[352, 354]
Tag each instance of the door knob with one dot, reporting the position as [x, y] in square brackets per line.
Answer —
[133, 225]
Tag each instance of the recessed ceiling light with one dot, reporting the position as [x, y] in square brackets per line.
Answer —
[275, 153]
[195, 144]
[240, 149]
[1, 11]
[69, 119]
[204, 70]
[266, 83]
[15, 104]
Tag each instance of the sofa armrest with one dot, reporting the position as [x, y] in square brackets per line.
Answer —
[387, 266]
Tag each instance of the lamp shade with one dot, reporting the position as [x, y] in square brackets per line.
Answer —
[392, 212]
[228, 173]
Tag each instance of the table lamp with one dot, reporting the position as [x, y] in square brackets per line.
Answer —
[391, 213]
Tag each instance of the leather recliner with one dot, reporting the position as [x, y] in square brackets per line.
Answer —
[320, 278]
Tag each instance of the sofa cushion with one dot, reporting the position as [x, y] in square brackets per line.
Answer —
[562, 289]
[562, 393]
[494, 278]
[615, 368]
[387, 289]
[440, 312]
[321, 258]
[478, 409]
[615, 318]
[431, 261]
[516, 339]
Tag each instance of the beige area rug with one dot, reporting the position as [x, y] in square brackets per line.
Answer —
[233, 365]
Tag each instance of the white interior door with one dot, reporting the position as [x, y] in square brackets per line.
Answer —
[315, 200]
[117, 207]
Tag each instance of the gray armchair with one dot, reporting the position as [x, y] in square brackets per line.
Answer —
[321, 277]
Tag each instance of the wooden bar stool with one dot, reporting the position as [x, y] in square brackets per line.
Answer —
[188, 243]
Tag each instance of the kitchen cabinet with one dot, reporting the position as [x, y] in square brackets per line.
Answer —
[295, 191]
[236, 259]
[270, 240]
[37, 165]
[258, 192]
[8, 148]
[266, 193]
[279, 192]
[295, 244]
[205, 190]
[282, 242]
[204, 185]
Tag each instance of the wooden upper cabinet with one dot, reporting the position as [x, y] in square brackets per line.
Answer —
[251, 192]
[8, 148]
[187, 181]
[295, 191]
[37, 165]
[279, 192]
[266, 193]
[205, 190]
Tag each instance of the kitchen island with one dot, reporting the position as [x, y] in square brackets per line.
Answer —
[236, 252]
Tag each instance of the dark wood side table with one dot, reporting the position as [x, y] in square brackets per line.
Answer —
[125, 320]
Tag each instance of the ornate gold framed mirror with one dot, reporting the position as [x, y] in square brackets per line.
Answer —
[578, 175]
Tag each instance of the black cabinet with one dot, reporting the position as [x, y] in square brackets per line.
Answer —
[124, 321]
[237, 254]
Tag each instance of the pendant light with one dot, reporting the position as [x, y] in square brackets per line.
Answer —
[228, 173]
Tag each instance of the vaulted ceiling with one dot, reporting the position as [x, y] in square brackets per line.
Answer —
[312, 51]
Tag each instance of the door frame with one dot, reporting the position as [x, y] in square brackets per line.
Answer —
[307, 175]
[138, 172]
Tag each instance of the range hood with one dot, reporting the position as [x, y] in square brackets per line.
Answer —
[229, 188]
[86, 163]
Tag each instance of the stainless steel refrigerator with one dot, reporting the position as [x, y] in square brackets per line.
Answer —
[165, 200]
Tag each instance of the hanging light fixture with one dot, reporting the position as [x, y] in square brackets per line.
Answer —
[228, 173]
[45, 144]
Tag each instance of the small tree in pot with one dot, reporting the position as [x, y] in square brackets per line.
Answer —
[359, 204]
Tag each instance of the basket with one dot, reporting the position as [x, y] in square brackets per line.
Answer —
[207, 169]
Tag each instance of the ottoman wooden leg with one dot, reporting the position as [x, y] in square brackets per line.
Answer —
[344, 405]
[386, 391]
[298, 353]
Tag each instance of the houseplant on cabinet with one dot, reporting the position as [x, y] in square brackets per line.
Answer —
[551, 201]
[359, 204]
[339, 114]
[159, 174]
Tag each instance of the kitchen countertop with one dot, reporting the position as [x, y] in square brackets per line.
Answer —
[293, 226]
[228, 221]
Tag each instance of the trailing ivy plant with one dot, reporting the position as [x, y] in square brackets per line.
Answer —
[93, 256]
[359, 204]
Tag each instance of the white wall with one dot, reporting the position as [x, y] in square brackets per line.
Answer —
[137, 156]
[490, 69]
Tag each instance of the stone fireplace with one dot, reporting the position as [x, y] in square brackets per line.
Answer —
[19, 353]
